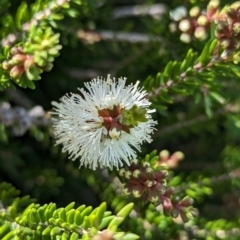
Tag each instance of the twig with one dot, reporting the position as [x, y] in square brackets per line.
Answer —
[105, 35]
[213, 180]
[20, 120]
[155, 10]
[201, 118]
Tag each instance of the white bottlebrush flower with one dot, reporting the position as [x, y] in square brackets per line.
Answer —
[104, 125]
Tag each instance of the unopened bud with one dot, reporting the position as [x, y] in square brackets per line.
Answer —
[195, 11]
[6, 65]
[179, 155]
[149, 183]
[114, 133]
[149, 170]
[136, 193]
[213, 4]
[167, 205]
[184, 25]
[172, 27]
[164, 154]
[126, 191]
[134, 161]
[136, 173]
[200, 33]
[236, 28]
[128, 174]
[16, 50]
[29, 63]
[165, 173]
[16, 72]
[186, 202]
[122, 172]
[154, 199]
[185, 37]
[146, 164]
[225, 43]
[164, 182]
[236, 5]
[17, 59]
[202, 20]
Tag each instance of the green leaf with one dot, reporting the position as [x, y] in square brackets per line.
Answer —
[165, 97]
[217, 97]
[130, 236]
[72, 13]
[81, 208]
[63, 215]
[105, 222]
[70, 216]
[208, 105]
[78, 218]
[121, 215]
[30, 84]
[100, 213]
[2, 57]
[22, 15]
[55, 231]
[186, 62]
[74, 236]
[168, 70]
[205, 56]
[212, 30]
[69, 206]
[86, 222]
[176, 70]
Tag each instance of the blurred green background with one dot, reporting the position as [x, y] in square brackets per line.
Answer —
[32, 162]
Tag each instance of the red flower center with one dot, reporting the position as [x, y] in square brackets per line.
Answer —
[111, 119]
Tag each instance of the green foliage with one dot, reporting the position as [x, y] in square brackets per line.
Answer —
[21, 219]
[134, 115]
[37, 45]
[195, 74]
[194, 87]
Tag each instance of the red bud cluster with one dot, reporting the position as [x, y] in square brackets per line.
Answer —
[143, 181]
[195, 23]
[18, 62]
[228, 27]
[150, 184]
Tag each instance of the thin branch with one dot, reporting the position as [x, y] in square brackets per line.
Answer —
[155, 10]
[20, 120]
[230, 108]
[213, 180]
[182, 76]
[37, 17]
[106, 35]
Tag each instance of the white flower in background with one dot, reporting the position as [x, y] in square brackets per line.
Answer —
[104, 125]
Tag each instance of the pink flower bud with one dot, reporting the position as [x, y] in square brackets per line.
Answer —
[18, 59]
[6, 65]
[16, 72]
